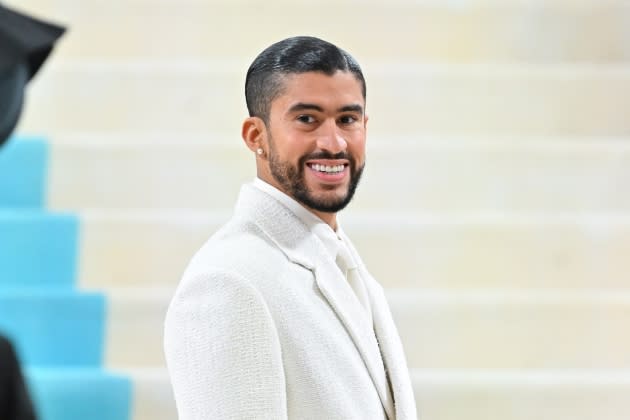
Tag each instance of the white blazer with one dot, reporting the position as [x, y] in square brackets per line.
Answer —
[264, 326]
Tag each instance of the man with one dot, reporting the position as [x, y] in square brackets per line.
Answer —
[15, 403]
[276, 316]
[25, 43]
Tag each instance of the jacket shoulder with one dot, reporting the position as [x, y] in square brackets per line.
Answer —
[235, 247]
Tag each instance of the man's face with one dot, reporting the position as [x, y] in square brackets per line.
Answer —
[317, 130]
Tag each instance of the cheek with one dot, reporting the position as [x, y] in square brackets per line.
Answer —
[293, 149]
[356, 147]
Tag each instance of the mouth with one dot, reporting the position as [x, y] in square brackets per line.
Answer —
[327, 169]
[330, 171]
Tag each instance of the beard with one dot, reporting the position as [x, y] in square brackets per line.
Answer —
[291, 178]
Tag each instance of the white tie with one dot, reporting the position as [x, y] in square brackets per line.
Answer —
[349, 268]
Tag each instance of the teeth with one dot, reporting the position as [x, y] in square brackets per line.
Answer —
[327, 169]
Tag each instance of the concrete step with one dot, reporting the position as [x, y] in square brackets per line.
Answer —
[502, 330]
[23, 170]
[428, 30]
[79, 394]
[148, 175]
[55, 328]
[522, 395]
[135, 326]
[434, 175]
[404, 97]
[38, 249]
[152, 394]
[456, 395]
[402, 250]
[495, 251]
[439, 329]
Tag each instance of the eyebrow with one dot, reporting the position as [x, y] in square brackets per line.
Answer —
[301, 106]
[352, 108]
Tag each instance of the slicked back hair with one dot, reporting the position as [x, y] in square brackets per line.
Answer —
[300, 54]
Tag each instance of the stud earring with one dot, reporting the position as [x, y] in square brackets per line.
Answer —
[259, 151]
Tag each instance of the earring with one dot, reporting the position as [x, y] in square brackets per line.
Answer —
[259, 151]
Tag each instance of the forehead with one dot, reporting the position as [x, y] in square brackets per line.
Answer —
[327, 91]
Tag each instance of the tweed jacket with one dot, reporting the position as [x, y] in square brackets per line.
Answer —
[263, 325]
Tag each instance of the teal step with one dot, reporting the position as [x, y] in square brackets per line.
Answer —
[23, 169]
[55, 328]
[79, 394]
[37, 249]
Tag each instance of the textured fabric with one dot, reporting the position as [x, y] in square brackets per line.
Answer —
[350, 270]
[305, 216]
[264, 326]
[321, 229]
[331, 239]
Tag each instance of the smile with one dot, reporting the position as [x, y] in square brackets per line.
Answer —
[327, 169]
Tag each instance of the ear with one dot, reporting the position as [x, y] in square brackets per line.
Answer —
[254, 134]
[365, 120]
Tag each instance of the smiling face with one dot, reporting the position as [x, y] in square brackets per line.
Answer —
[316, 140]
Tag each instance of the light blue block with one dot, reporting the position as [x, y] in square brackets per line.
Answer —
[37, 249]
[79, 394]
[55, 328]
[23, 170]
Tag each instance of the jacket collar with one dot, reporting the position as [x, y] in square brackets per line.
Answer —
[302, 247]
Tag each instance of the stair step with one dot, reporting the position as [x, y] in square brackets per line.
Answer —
[153, 395]
[404, 97]
[37, 249]
[495, 250]
[502, 330]
[135, 327]
[23, 168]
[147, 175]
[428, 175]
[80, 394]
[55, 328]
[146, 249]
[464, 394]
[428, 30]
[522, 395]
[462, 330]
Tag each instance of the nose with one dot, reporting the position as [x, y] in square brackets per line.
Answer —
[330, 138]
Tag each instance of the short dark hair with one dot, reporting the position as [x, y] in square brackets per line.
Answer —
[300, 54]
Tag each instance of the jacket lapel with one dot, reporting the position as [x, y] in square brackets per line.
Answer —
[394, 359]
[391, 348]
[304, 248]
[347, 307]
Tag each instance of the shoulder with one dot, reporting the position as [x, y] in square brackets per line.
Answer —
[240, 248]
[236, 262]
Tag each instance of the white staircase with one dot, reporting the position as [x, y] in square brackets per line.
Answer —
[494, 206]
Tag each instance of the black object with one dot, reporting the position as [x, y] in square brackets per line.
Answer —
[15, 403]
[25, 43]
[12, 82]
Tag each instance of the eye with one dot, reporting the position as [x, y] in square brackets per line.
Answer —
[306, 119]
[348, 119]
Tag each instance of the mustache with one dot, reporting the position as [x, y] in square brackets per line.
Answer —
[326, 155]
